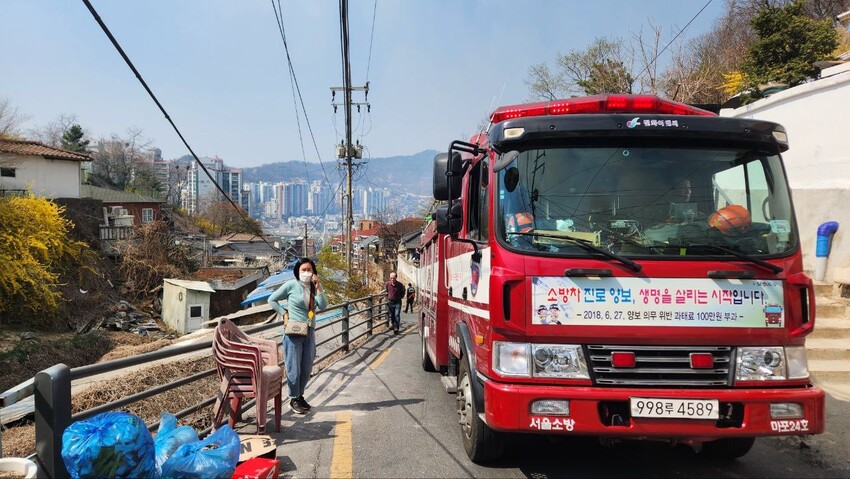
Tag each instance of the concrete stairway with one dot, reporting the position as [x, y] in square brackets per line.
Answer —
[828, 346]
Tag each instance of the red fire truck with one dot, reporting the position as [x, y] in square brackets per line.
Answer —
[604, 266]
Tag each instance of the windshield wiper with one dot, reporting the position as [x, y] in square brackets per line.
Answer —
[764, 264]
[587, 246]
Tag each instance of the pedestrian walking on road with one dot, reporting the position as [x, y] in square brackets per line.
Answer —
[411, 295]
[395, 291]
[304, 296]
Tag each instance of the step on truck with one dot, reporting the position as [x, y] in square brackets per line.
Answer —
[623, 267]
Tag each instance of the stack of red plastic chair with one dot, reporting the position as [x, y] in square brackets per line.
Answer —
[247, 368]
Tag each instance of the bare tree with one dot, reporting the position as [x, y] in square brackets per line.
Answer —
[11, 119]
[116, 160]
[645, 51]
[50, 134]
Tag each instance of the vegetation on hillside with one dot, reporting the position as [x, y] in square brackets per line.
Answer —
[338, 285]
[219, 218]
[788, 44]
[149, 256]
[35, 251]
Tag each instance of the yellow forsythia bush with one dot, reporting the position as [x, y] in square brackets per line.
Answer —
[34, 248]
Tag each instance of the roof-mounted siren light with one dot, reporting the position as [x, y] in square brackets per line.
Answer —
[609, 103]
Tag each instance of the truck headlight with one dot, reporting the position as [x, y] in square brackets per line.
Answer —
[511, 359]
[798, 363]
[760, 364]
[558, 361]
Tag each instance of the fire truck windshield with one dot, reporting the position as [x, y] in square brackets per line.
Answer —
[641, 200]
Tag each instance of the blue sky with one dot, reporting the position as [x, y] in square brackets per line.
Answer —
[219, 66]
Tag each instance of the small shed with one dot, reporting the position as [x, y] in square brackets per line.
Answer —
[185, 304]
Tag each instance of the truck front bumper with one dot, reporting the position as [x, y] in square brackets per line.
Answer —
[596, 411]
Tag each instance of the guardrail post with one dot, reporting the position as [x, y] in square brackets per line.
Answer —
[387, 313]
[369, 325]
[52, 415]
[345, 334]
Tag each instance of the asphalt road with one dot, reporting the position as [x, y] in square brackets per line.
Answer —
[376, 413]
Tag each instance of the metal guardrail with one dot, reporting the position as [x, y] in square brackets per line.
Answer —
[51, 388]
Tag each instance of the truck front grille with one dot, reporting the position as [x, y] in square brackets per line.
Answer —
[661, 366]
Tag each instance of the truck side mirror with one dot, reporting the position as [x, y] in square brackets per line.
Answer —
[443, 182]
[446, 226]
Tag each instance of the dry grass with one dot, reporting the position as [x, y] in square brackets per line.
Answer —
[172, 401]
[19, 441]
[135, 349]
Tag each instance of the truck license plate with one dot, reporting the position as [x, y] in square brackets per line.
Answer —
[675, 408]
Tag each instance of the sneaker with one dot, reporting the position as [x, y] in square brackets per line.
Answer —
[303, 403]
[296, 406]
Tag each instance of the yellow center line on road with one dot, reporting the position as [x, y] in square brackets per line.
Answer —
[409, 330]
[377, 362]
[342, 463]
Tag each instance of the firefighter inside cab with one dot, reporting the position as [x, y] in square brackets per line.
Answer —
[642, 200]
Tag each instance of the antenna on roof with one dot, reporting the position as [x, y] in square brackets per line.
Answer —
[486, 125]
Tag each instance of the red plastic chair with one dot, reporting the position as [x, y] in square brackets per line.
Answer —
[247, 368]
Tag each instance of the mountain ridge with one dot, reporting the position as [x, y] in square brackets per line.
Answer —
[399, 174]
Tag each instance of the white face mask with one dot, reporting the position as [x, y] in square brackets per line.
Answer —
[305, 276]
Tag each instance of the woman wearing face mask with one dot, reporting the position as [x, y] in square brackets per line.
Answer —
[303, 296]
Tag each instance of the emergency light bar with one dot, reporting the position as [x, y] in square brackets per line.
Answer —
[598, 104]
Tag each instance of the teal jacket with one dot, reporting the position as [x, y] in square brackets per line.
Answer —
[292, 292]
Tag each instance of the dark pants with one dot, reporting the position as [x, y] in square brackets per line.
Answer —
[408, 306]
[395, 314]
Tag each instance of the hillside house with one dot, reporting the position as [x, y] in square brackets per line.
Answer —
[118, 204]
[43, 170]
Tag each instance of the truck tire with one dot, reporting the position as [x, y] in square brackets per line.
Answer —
[427, 364]
[481, 443]
[728, 448]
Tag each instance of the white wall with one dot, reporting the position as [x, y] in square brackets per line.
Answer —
[815, 115]
[43, 177]
[406, 271]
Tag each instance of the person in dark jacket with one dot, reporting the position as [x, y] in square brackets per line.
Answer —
[395, 291]
[411, 296]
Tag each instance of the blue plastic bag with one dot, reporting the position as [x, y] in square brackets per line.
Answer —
[169, 437]
[111, 444]
[215, 456]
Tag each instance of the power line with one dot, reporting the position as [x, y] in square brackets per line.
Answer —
[673, 39]
[371, 39]
[297, 87]
[278, 15]
[167, 117]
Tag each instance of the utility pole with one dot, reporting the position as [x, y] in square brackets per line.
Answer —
[347, 151]
[304, 246]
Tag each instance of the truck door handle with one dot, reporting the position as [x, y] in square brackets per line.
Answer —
[463, 293]
[721, 274]
[450, 291]
[585, 272]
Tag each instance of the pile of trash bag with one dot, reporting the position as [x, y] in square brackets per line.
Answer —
[118, 445]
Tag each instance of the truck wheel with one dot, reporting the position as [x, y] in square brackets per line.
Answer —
[481, 443]
[427, 365]
[729, 448]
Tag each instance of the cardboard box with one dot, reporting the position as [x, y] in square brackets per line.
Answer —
[256, 446]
